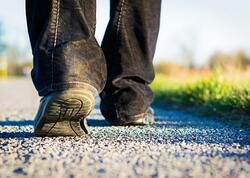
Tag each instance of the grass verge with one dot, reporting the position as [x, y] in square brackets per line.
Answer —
[214, 96]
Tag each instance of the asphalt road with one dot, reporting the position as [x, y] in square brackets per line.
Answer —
[178, 145]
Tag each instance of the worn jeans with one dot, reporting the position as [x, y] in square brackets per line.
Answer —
[67, 55]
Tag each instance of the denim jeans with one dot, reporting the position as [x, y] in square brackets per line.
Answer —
[67, 55]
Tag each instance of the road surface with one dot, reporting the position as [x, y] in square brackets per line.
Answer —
[178, 145]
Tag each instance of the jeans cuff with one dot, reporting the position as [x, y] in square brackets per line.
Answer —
[64, 86]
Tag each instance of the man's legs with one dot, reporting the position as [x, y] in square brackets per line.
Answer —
[65, 51]
[69, 66]
[129, 46]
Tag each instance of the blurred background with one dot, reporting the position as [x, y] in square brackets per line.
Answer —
[193, 34]
[202, 57]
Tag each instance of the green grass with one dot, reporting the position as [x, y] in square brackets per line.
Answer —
[214, 96]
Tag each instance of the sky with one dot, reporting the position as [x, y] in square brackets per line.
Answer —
[201, 26]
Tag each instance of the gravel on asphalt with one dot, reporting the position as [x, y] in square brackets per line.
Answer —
[178, 145]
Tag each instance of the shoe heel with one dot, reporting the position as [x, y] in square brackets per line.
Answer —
[65, 115]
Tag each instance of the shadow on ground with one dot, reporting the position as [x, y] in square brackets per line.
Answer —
[16, 134]
[171, 126]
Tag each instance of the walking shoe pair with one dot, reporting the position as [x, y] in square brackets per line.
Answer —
[63, 113]
[67, 56]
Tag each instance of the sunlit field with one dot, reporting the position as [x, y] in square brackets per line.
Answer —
[221, 94]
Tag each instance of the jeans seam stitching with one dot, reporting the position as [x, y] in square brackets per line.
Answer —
[119, 21]
[56, 3]
[120, 16]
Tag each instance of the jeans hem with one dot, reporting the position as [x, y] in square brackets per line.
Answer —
[64, 86]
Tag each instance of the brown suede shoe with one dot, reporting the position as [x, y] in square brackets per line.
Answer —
[146, 118]
[64, 113]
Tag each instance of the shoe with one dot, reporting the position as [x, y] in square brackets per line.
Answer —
[64, 113]
[143, 119]
[146, 118]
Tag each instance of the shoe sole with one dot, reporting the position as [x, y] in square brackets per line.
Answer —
[144, 119]
[65, 115]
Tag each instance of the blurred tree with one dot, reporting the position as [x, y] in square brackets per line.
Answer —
[16, 57]
[218, 59]
[15, 60]
[188, 54]
[188, 41]
[2, 43]
[241, 60]
[237, 60]
[168, 68]
[3, 61]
